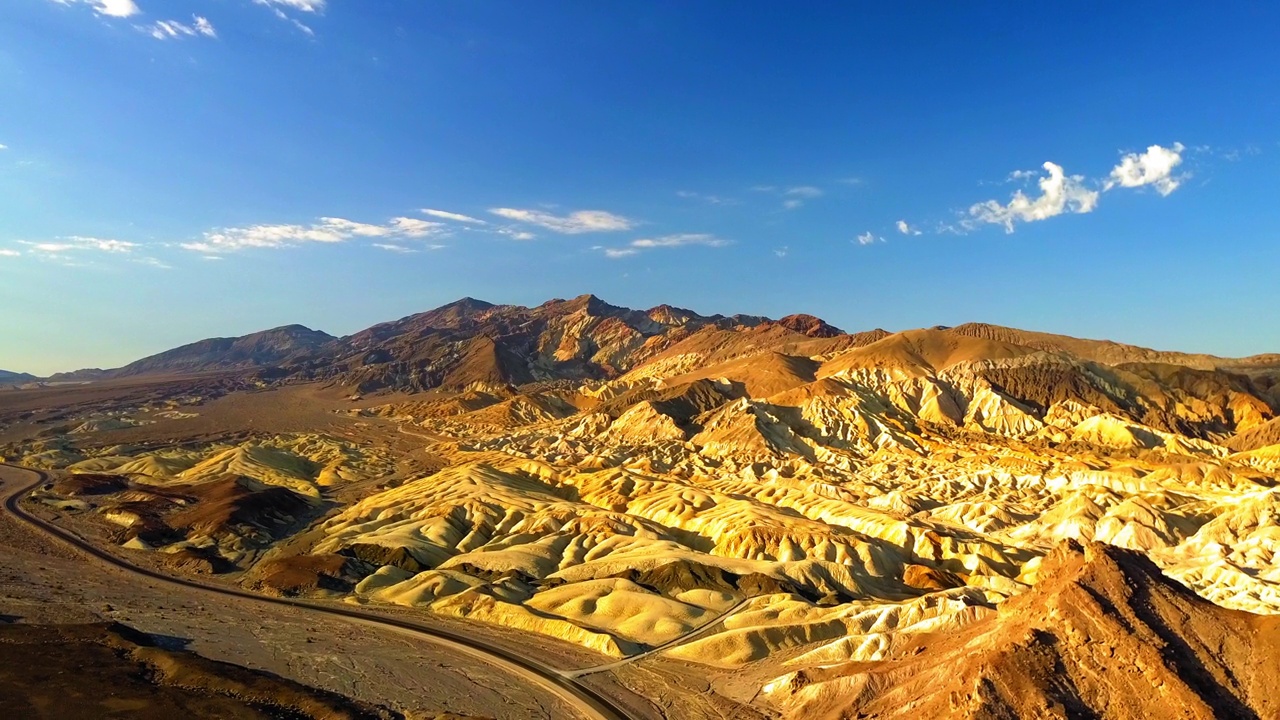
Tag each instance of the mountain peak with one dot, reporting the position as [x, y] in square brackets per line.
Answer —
[587, 302]
[810, 325]
[671, 315]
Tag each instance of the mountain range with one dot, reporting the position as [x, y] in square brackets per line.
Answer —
[472, 344]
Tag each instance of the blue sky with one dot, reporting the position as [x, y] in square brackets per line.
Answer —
[179, 170]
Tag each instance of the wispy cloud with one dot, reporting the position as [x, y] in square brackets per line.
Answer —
[311, 6]
[393, 247]
[1154, 167]
[327, 230]
[6, 252]
[278, 7]
[792, 197]
[905, 228]
[71, 251]
[868, 238]
[3, 146]
[680, 240]
[1059, 193]
[174, 30]
[515, 234]
[575, 223]
[703, 197]
[79, 242]
[153, 262]
[782, 251]
[107, 8]
[664, 241]
[389, 247]
[456, 217]
[797, 196]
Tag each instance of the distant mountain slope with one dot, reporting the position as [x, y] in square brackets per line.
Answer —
[258, 349]
[1105, 351]
[8, 377]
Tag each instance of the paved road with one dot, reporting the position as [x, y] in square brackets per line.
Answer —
[590, 704]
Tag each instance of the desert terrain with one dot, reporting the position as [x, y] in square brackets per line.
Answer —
[690, 516]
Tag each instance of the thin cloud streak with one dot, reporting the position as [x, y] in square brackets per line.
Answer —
[328, 230]
[174, 30]
[665, 241]
[456, 217]
[575, 223]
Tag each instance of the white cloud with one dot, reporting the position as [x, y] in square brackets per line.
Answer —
[803, 191]
[65, 250]
[413, 227]
[679, 240]
[172, 29]
[792, 197]
[78, 242]
[327, 230]
[346, 228]
[108, 8]
[516, 234]
[665, 241]
[6, 252]
[306, 6]
[710, 199]
[456, 217]
[782, 251]
[867, 238]
[114, 246]
[116, 8]
[1060, 193]
[1154, 167]
[582, 221]
[905, 228]
[796, 196]
[310, 6]
[3, 146]
[154, 262]
[52, 248]
[389, 247]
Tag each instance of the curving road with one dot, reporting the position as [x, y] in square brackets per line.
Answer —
[589, 703]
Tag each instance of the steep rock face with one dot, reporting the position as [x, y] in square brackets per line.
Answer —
[1257, 437]
[1103, 634]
